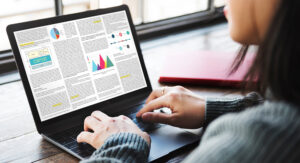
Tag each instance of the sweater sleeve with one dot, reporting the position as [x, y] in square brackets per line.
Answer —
[121, 147]
[216, 107]
[266, 133]
[128, 147]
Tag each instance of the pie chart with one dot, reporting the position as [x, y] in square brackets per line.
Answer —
[54, 33]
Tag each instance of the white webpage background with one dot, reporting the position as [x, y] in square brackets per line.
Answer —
[61, 70]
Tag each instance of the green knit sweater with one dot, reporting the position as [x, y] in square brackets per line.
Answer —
[266, 132]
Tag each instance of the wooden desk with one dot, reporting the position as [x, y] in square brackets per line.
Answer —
[19, 140]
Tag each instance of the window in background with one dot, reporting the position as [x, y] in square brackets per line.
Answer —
[155, 10]
[14, 11]
[219, 3]
[73, 6]
[142, 11]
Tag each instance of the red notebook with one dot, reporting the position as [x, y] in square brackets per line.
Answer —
[204, 68]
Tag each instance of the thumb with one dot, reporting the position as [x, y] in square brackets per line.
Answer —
[157, 117]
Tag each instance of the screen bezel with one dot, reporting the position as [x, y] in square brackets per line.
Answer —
[42, 125]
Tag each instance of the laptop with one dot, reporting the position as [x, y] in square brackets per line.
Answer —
[75, 64]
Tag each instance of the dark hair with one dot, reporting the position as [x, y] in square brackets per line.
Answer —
[277, 63]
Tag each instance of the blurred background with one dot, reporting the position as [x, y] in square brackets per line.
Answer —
[152, 19]
[144, 12]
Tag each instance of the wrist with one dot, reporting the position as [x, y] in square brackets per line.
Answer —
[125, 142]
[202, 108]
[146, 137]
[124, 138]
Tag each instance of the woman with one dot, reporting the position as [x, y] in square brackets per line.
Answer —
[258, 131]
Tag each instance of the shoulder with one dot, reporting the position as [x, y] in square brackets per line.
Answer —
[259, 133]
[268, 114]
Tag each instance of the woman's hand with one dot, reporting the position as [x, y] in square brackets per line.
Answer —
[187, 109]
[103, 126]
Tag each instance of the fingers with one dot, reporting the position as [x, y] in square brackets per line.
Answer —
[157, 93]
[100, 116]
[126, 119]
[154, 104]
[157, 117]
[91, 123]
[85, 137]
[123, 117]
[153, 95]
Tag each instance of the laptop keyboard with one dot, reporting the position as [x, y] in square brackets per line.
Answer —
[68, 138]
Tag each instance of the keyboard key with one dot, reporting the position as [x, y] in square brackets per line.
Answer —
[68, 139]
[64, 140]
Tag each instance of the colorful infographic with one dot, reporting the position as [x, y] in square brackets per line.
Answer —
[100, 63]
[54, 33]
[120, 40]
[120, 34]
[39, 58]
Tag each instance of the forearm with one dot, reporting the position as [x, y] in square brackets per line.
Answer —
[122, 147]
[216, 107]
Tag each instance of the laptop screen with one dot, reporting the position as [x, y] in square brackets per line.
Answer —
[78, 63]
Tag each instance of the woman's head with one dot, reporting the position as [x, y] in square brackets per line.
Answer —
[274, 26]
[249, 19]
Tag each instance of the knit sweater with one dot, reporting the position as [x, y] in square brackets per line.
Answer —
[266, 132]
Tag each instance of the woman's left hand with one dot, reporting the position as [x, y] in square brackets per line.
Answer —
[98, 127]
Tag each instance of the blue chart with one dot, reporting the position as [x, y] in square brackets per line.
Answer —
[54, 33]
[39, 58]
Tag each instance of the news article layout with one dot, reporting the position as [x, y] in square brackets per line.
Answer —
[78, 63]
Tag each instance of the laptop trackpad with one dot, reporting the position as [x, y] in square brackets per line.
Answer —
[167, 139]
